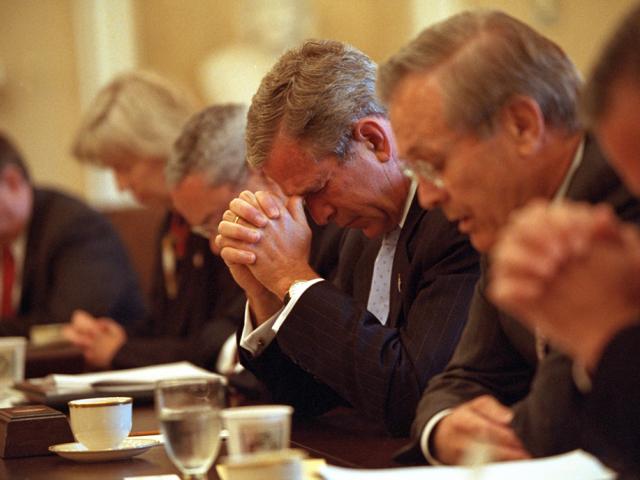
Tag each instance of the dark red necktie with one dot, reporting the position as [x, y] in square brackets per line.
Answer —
[179, 231]
[8, 276]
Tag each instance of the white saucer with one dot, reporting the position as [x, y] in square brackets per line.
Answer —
[129, 447]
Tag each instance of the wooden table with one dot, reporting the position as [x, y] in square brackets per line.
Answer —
[340, 437]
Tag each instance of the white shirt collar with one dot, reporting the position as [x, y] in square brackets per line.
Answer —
[564, 186]
[407, 205]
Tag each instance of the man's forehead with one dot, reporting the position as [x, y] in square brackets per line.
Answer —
[291, 165]
[416, 112]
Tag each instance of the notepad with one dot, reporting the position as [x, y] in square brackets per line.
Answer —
[143, 376]
[576, 464]
[138, 383]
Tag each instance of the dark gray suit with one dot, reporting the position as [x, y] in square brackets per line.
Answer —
[496, 354]
[193, 326]
[612, 409]
[73, 259]
[331, 351]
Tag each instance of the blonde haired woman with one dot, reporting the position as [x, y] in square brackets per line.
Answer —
[130, 127]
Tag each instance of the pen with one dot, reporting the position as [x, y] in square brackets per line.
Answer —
[141, 433]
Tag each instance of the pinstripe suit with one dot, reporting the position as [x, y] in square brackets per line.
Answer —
[331, 351]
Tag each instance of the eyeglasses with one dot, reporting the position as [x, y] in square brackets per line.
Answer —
[420, 169]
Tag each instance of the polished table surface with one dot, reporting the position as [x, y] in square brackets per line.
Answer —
[340, 437]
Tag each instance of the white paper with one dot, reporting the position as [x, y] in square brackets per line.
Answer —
[576, 464]
[154, 477]
[143, 375]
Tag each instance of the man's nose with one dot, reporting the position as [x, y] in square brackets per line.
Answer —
[321, 211]
[430, 195]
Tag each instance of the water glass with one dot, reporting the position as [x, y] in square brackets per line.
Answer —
[189, 414]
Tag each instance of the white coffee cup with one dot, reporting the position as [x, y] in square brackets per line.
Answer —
[12, 358]
[257, 428]
[101, 423]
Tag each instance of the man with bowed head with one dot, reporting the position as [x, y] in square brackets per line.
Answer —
[391, 318]
[572, 270]
[58, 255]
[485, 112]
[130, 127]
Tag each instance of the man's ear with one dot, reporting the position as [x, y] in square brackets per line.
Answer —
[12, 177]
[522, 119]
[372, 132]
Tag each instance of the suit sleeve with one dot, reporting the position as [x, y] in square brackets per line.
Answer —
[200, 347]
[335, 348]
[612, 409]
[548, 420]
[484, 362]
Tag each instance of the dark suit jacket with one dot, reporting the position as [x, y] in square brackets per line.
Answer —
[612, 409]
[496, 354]
[73, 259]
[193, 326]
[332, 351]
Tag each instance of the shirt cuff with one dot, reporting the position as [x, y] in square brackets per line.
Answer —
[426, 435]
[227, 362]
[581, 377]
[256, 340]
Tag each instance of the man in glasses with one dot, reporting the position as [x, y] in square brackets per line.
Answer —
[586, 298]
[389, 322]
[484, 109]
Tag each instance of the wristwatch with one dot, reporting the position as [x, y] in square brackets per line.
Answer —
[294, 288]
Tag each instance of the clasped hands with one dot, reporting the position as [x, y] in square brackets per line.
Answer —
[98, 338]
[572, 271]
[264, 239]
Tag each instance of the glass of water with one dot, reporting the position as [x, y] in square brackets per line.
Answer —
[189, 414]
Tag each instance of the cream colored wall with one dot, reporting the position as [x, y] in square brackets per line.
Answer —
[580, 27]
[39, 104]
[174, 37]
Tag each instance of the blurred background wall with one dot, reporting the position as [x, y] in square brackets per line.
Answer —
[54, 54]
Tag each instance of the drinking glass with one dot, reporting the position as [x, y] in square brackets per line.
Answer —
[189, 414]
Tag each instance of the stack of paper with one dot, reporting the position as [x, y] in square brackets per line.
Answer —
[132, 376]
[577, 464]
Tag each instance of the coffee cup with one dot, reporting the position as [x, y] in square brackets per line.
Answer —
[257, 428]
[12, 358]
[101, 423]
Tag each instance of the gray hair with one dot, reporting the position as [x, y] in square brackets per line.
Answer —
[137, 115]
[314, 93]
[481, 60]
[620, 58]
[212, 142]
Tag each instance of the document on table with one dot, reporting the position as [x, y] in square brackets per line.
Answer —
[576, 464]
[142, 376]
